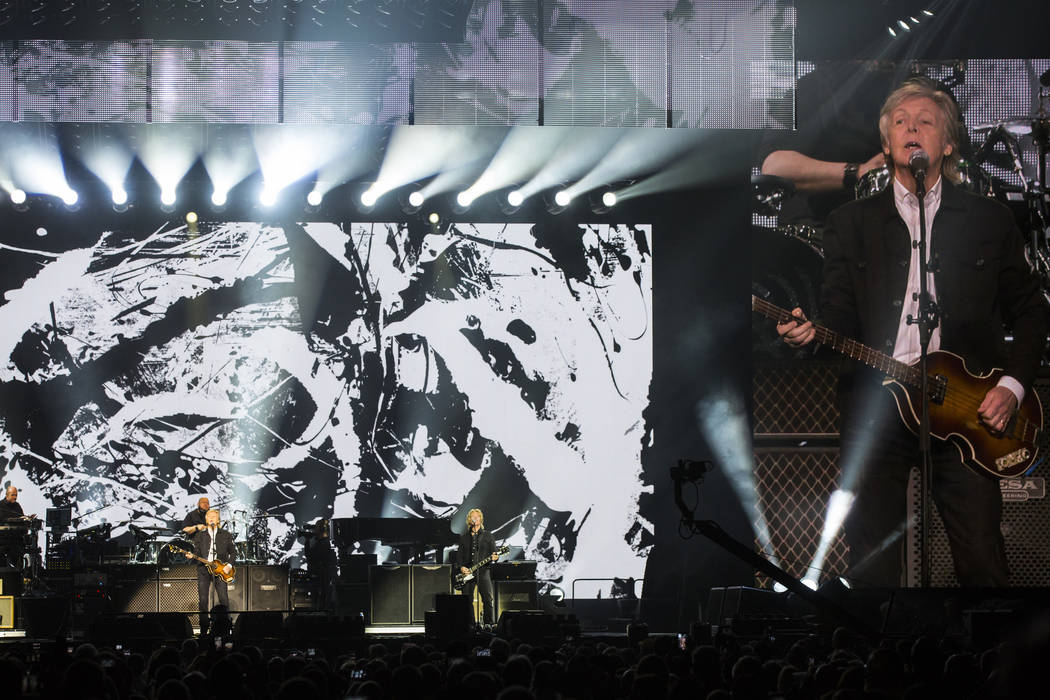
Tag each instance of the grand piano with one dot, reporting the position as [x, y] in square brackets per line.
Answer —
[411, 535]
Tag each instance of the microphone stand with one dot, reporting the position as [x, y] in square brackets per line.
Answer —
[928, 319]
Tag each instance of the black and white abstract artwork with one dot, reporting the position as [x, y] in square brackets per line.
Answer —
[301, 371]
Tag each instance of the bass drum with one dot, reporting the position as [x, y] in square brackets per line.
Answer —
[974, 179]
[785, 270]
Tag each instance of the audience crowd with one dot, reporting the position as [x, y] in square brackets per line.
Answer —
[840, 666]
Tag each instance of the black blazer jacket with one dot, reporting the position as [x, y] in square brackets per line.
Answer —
[486, 547]
[984, 284]
[225, 550]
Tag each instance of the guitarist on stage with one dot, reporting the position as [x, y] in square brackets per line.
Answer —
[476, 545]
[212, 542]
[984, 288]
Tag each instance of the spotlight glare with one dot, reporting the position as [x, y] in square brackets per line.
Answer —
[810, 583]
[465, 198]
[927, 13]
[562, 198]
[515, 198]
[218, 198]
[434, 218]
[191, 217]
[369, 197]
[892, 33]
[314, 198]
[18, 196]
[120, 196]
[167, 197]
[903, 25]
[913, 20]
[70, 197]
[778, 587]
[609, 199]
[845, 582]
[416, 199]
[268, 197]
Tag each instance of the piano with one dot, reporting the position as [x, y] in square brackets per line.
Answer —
[414, 534]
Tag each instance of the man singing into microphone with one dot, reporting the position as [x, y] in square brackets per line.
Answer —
[983, 287]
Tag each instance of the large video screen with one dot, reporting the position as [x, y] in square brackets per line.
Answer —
[299, 371]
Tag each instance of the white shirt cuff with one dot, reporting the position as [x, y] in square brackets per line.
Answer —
[1014, 386]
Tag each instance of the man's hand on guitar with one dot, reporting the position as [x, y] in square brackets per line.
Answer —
[797, 333]
[227, 569]
[997, 408]
[464, 570]
[188, 555]
[495, 556]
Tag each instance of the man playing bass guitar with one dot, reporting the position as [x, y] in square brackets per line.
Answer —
[983, 286]
[476, 545]
[212, 543]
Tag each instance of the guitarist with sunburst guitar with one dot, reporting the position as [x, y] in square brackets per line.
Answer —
[214, 550]
[984, 290]
[477, 548]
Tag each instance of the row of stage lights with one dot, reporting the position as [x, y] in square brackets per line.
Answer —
[268, 197]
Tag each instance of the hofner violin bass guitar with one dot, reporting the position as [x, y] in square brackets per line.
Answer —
[215, 566]
[955, 395]
[462, 579]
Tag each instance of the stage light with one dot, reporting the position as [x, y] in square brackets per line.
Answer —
[778, 587]
[416, 199]
[903, 25]
[515, 198]
[892, 33]
[434, 218]
[810, 583]
[268, 196]
[218, 198]
[41, 232]
[120, 196]
[191, 217]
[314, 198]
[369, 197]
[562, 198]
[18, 196]
[464, 198]
[609, 199]
[927, 13]
[167, 198]
[70, 197]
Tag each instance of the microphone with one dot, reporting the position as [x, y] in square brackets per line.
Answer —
[918, 162]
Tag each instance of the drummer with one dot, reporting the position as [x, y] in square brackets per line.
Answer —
[195, 520]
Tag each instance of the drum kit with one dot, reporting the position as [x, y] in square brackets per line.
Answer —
[787, 258]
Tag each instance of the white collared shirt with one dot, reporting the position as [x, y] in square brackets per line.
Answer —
[211, 549]
[906, 347]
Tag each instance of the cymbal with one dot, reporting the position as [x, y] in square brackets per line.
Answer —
[1021, 126]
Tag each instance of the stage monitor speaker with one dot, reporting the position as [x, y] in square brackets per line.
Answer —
[516, 595]
[352, 600]
[267, 587]
[259, 625]
[452, 618]
[427, 582]
[152, 626]
[307, 627]
[391, 589]
[132, 588]
[527, 625]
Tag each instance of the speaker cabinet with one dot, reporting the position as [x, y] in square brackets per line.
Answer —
[527, 625]
[178, 596]
[267, 588]
[516, 595]
[452, 618]
[257, 625]
[391, 589]
[177, 570]
[132, 589]
[151, 626]
[237, 592]
[428, 582]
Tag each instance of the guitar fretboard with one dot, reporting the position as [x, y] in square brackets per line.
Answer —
[895, 369]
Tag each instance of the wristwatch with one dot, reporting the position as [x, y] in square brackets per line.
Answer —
[849, 175]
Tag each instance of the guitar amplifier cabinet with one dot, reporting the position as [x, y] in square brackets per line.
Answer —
[516, 595]
[132, 588]
[427, 582]
[391, 592]
[7, 612]
[177, 570]
[267, 587]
